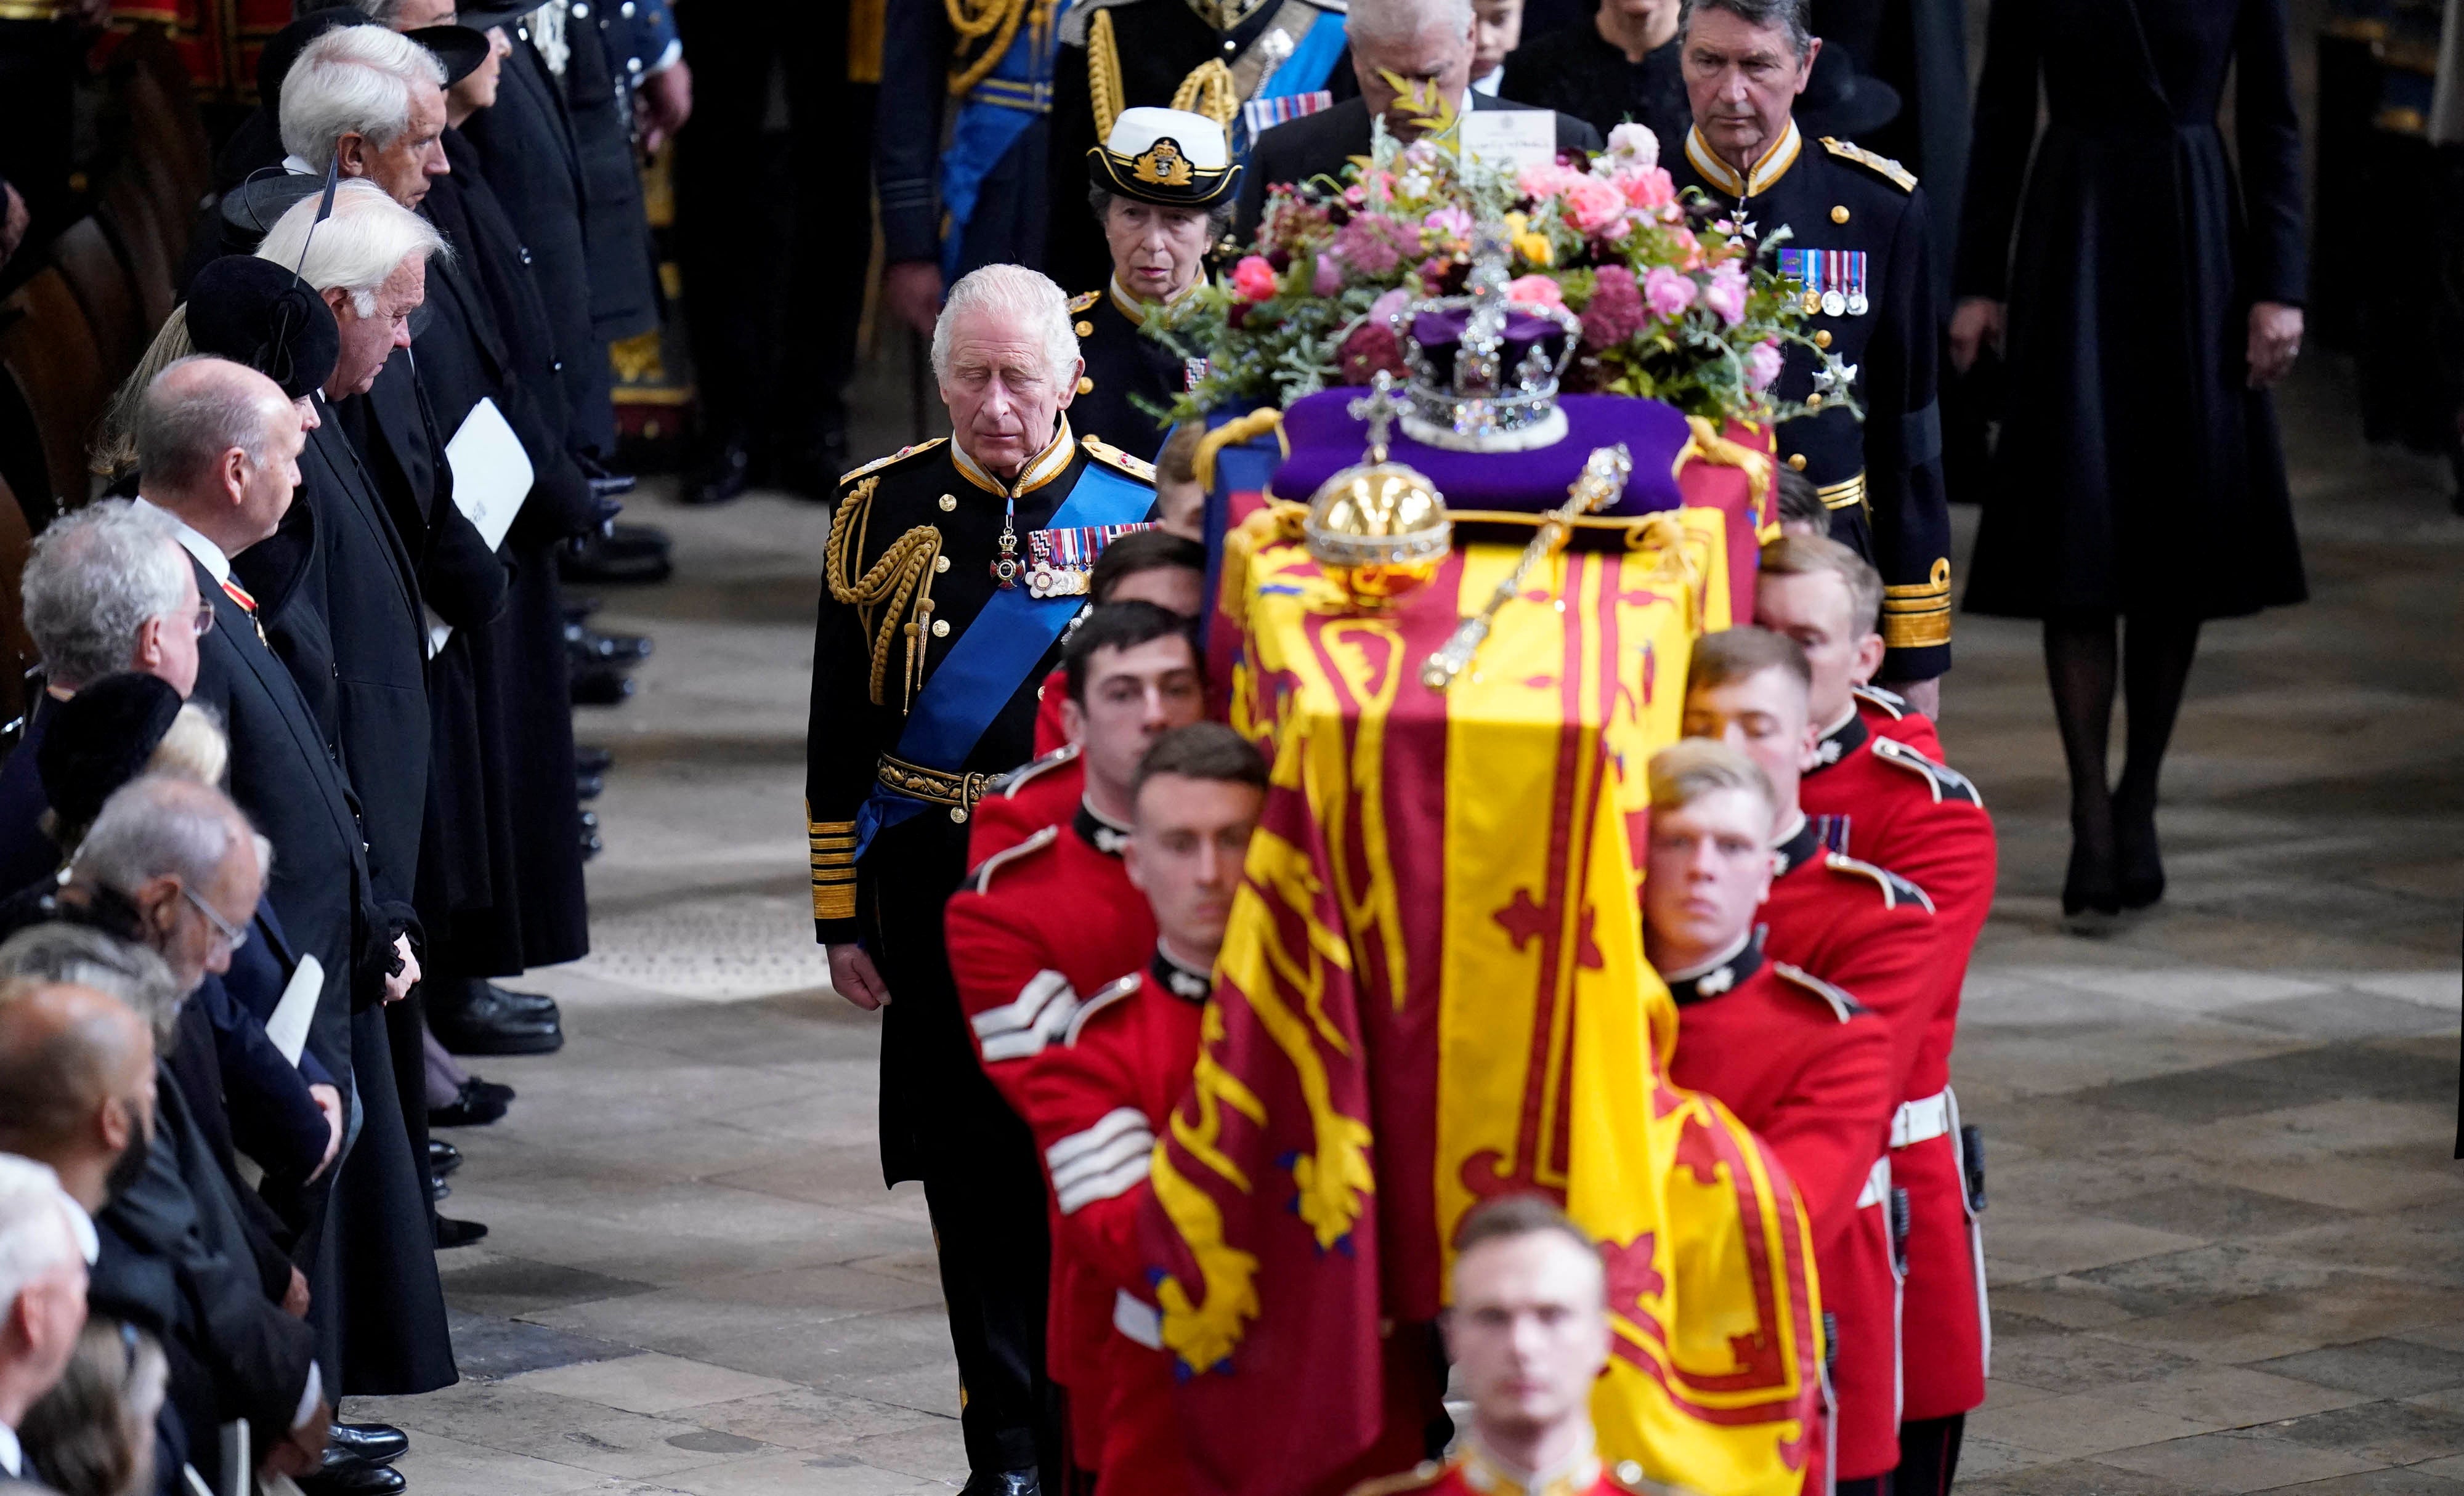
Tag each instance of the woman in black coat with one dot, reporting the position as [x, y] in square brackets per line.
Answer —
[2151, 302]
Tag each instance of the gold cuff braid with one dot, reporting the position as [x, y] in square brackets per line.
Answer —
[1916, 615]
[894, 595]
[833, 845]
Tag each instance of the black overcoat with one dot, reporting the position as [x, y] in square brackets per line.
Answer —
[2137, 473]
[1123, 368]
[1322, 143]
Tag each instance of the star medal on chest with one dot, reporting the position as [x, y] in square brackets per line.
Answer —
[1006, 565]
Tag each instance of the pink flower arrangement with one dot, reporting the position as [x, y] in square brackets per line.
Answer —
[1325, 278]
[1633, 145]
[1534, 291]
[1254, 278]
[1592, 204]
[1545, 180]
[1616, 312]
[1725, 294]
[1452, 221]
[1763, 361]
[1367, 350]
[1368, 245]
[1666, 291]
[1647, 188]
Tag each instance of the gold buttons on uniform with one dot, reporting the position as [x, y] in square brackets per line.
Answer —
[1822, 338]
[940, 564]
[958, 813]
[1086, 329]
[1797, 462]
[940, 629]
[1813, 402]
[1839, 213]
[1085, 384]
[948, 501]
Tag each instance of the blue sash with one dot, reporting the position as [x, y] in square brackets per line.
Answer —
[1311, 62]
[997, 110]
[990, 661]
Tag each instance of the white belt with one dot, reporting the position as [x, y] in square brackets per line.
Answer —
[1137, 1319]
[1922, 1121]
[1878, 1184]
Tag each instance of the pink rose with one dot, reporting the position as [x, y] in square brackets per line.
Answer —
[1545, 179]
[1592, 205]
[1386, 308]
[1632, 146]
[1667, 293]
[1534, 291]
[1254, 278]
[1646, 186]
[1326, 278]
[1451, 221]
[1762, 366]
[1726, 294]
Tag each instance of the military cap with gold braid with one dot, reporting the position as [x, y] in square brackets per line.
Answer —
[1169, 157]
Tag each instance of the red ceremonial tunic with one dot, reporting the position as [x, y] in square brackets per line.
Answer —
[1096, 1105]
[1809, 1070]
[1472, 1471]
[1040, 927]
[1888, 714]
[1905, 811]
[1859, 927]
[1024, 800]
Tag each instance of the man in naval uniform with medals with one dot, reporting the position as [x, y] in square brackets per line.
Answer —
[1162, 187]
[1857, 248]
[926, 660]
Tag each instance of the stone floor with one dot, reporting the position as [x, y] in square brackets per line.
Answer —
[2225, 1236]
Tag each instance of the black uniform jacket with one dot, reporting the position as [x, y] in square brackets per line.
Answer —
[1882, 476]
[1322, 143]
[1123, 368]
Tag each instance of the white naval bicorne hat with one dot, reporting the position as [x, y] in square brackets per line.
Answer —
[1169, 157]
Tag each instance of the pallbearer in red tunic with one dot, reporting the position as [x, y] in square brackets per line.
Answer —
[1044, 923]
[1529, 1334]
[1904, 810]
[1099, 1100]
[1795, 1058]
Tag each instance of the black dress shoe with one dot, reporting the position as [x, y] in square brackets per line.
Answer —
[601, 686]
[443, 1157]
[377, 1443]
[491, 1090]
[451, 1233]
[718, 476]
[439, 1191]
[537, 1004]
[591, 845]
[2139, 861]
[471, 1106]
[348, 1474]
[589, 786]
[487, 1022]
[1002, 1483]
[2091, 900]
[588, 758]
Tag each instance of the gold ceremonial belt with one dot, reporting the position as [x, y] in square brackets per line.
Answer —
[957, 791]
[1846, 494]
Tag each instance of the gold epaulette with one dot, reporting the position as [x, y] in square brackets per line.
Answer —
[1883, 166]
[900, 455]
[1419, 1477]
[1944, 781]
[1084, 304]
[1843, 1005]
[1113, 457]
[1895, 890]
[833, 849]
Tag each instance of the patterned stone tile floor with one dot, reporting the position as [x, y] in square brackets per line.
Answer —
[2226, 1235]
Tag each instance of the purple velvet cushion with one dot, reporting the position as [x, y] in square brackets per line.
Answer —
[1326, 439]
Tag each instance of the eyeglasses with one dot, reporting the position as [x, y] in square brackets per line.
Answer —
[233, 940]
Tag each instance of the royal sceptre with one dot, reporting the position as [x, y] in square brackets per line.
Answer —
[1602, 480]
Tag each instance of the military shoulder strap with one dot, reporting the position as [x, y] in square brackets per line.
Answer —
[1881, 165]
[1010, 784]
[1096, 1002]
[981, 880]
[1895, 890]
[1084, 304]
[1843, 1006]
[1891, 702]
[900, 455]
[1119, 461]
[1946, 782]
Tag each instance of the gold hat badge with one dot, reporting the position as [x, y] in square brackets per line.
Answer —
[1163, 165]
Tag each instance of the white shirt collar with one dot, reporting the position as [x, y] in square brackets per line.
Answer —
[1489, 83]
[299, 167]
[12, 1458]
[208, 555]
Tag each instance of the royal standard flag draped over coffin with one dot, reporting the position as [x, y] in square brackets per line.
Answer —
[1433, 992]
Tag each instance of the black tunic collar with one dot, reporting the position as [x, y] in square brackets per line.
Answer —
[1720, 975]
[1178, 978]
[1798, 849]
[1841, 740]
[1100, 832]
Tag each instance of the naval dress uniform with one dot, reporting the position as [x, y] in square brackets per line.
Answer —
[1042, 926]
[1808, 1068]
[1219, 57]
[1858, 247]
[1894, 806]
[927, 654]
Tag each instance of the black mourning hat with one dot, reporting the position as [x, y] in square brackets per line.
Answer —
[458, 47]
[1168, 157]
[481, 18]
[255, 311]
[99, 739]
[1842, 102]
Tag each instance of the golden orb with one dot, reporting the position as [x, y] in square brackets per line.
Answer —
[1380, 529]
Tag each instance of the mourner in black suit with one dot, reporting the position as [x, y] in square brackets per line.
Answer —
[1618, 64]
[899, 751]
[2154, 288]
[382, 1315]
[1859, 247]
